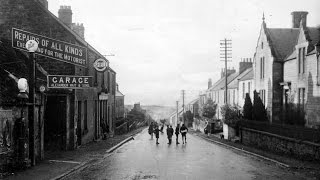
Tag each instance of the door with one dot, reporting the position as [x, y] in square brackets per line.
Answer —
[79, 123]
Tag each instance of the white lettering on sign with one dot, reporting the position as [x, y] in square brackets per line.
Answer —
[60, 81]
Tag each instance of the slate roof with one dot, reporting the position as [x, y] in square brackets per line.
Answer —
[282, 40]
[118, 93]
[193, 101]
[220, 84]
[234, 84]
[313, 36]
[248, 76]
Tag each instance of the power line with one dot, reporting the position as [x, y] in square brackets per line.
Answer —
[226, 55]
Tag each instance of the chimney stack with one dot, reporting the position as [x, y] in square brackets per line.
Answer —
[209, 83]
[245, 63]
[229, 71]
[65, 15]
[299, 17]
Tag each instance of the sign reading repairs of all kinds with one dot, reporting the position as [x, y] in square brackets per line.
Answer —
[51, 48]
[69, 81]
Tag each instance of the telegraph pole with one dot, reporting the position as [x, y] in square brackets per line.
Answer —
[183, 93]
[177, 112]
[226, 55]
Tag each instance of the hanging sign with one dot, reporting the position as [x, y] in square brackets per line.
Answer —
[69, 81]
[52, 48]
[100, 64]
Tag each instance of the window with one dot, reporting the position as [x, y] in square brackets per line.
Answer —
[262, 67]
[249, 88]
[261, 45]
[262, 94]
[318, 71]
[243, 90]
[85, 118]
[95, 78]
[218, 96]
[301, 94]
[234, 96]
[301, 60]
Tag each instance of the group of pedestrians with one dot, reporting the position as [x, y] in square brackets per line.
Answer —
[154, 129]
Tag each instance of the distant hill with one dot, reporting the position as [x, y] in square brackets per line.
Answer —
[157, 112]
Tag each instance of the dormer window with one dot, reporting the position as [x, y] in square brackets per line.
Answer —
[301, 60]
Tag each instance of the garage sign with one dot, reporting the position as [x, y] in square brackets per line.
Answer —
[69, 81]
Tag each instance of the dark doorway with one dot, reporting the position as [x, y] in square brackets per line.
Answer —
[79, 123]
[55, 123]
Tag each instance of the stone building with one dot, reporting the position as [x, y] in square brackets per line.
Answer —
[302, 72]
[120, 113]
[273, 45]
[65, 118]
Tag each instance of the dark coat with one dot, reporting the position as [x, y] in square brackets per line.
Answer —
[177, 130]
[156, 132]
[150, 131]
[169, 132]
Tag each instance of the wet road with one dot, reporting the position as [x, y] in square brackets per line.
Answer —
[198, 159]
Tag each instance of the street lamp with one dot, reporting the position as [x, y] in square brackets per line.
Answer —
[32, 47]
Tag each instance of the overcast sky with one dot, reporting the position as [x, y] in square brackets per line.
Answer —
[164, 46]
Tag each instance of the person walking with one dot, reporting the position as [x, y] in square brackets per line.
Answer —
[156, 132]
[184, 131]
[169, 133]
[150, 130]
[177, 131]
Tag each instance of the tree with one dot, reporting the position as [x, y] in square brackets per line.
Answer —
[247, 108]
[188, 116]
[209, 109]
[230, 115]
[259, 111]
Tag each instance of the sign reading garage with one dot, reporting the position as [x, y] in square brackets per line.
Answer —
[69, 81]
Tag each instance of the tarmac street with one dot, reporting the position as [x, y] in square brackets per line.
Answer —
[198, 159]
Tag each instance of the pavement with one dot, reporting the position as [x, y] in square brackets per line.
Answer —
[312, 168]
[58, 164]
[198, 159]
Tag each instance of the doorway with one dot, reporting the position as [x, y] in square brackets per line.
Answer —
[55, 123]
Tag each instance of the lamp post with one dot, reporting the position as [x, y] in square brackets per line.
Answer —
[32, 46]
[19, 124]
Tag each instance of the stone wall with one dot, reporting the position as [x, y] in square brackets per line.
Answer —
[280, 144]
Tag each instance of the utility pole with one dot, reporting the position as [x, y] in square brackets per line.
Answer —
[226, 55]
[177, 112]
[183, 93]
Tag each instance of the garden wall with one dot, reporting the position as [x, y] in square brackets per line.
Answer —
[280, 144]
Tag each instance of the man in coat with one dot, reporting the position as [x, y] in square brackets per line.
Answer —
[156, 132]
[177, 131]
[169, 133]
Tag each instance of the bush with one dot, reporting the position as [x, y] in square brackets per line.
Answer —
[230, 115]
[247, 108]
[259, 111]
[209, 109]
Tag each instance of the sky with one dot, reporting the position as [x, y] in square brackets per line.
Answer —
[161, 47]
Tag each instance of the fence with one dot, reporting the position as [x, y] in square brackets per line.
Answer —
[296, 132]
